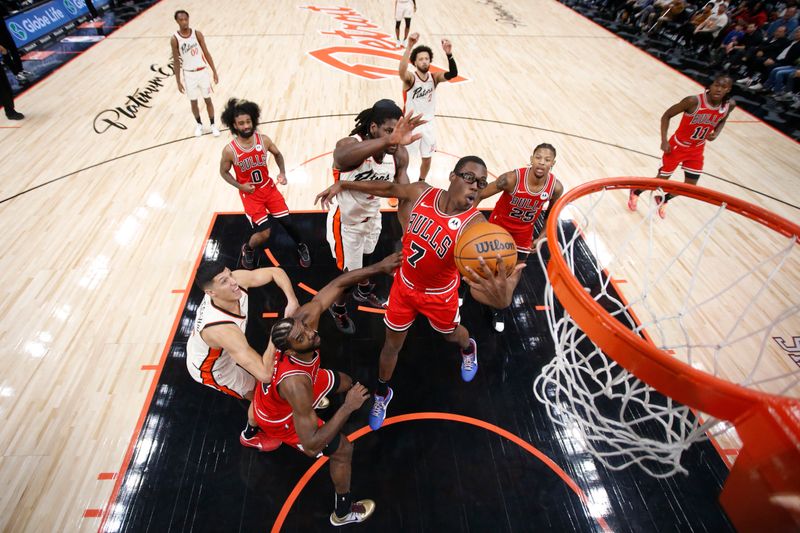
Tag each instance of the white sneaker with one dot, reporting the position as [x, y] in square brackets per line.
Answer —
[756, 87]
[198, 130]
[744, 81]
[359, 511]
[214, 130]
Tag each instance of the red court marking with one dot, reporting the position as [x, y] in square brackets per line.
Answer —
[372, 310]
[143, 414]
[542, 307]
[149, 367]
[306, 288]
[271, 257]
[37, 56]
[102, 476]
[269, 315]
[298, 488]
[310, 160]
[618, 280]
[654, 58]
[93, 513]
[10, 127]
[177, 291]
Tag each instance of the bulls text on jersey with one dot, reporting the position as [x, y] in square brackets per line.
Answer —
[257, 160]
[421, 225]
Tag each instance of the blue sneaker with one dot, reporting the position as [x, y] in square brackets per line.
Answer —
[469, 363]
[378, 412]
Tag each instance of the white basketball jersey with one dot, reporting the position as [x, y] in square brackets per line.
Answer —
[190, 51]
[421, 97]
[356, 207]
[199, 354]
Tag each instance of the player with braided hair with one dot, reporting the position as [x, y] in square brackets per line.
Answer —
[284, 407]
[354, 220]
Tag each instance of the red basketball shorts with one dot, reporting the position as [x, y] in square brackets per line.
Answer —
[406, 303]
[284, 430]
[690, 158]
[263, 202]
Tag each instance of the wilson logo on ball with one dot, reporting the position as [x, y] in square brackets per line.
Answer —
[493, 246]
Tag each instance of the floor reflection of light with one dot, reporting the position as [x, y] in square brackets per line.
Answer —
[45, 336]
[155, 201]
[127, 230]
[62, 313]
[35, 349]
[298, 176]
[94, 273]
[6, 392]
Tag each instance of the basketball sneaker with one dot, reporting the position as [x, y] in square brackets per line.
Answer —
[248, 257]
[304, 255]
[260, 442]
[371, 299]
[343, 322]
[469, 363]
[214, 130]
[378, 412]
[198, 130]
[324, 403]
[359, 511]
[632, 201]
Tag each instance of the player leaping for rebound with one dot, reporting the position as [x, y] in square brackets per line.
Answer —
[427, 281]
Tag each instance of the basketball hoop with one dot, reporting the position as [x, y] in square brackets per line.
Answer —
[654, 317]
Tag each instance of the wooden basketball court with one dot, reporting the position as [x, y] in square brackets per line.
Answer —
[103, 210]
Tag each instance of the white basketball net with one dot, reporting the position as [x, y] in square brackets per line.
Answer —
[692, 297]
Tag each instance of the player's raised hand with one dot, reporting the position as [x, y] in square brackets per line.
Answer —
[356, 397]
[412, 39]
[326, 197]
[447, 46]
[404, 130]
[390, 263]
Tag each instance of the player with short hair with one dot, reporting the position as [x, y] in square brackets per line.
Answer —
[704, 116]
[190, 57]
[217, 352]
[354, 221]
[284, 406]
[427, 281]
[248, 154]
[419, 94]
[524, 194]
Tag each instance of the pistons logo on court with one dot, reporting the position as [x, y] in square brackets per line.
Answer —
[454, 223]
[363, 39]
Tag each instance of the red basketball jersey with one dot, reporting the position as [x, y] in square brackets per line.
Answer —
[517, 212]
[694, 127]
[267, 402]
[429, 243]
[250, 165]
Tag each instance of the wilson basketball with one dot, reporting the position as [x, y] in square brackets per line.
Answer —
[488, 241]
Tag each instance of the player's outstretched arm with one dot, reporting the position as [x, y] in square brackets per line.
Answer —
[405, 75]
[297, 391]
[506, 182]
[231, 339]
[494, 289]
[311, 311]
[384, 189]
[452, 69]
[261, 276]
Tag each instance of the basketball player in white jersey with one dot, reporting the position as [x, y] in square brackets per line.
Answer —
[403, 9]
[354, 220]
[419, 94]
[189, 57]
[217, 352]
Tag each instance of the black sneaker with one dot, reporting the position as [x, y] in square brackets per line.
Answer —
[343, 322]
[248, 259]
[14, 115]
[371, 299]
[305, 256]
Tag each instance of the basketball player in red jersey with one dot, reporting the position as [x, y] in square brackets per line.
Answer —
[247, 153]
[354, 222]
[419, 94]
[189, 57]
[525, 192]
[284, 408]
[428, 280]
[704, 116]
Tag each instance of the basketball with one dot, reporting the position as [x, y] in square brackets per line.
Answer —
[488, 241]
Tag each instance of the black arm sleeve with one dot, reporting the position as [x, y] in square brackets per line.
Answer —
[453, 72]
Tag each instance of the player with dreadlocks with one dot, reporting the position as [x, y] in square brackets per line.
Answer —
[704, 116]
[247, 154]
[284, 408]
[354, 220]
